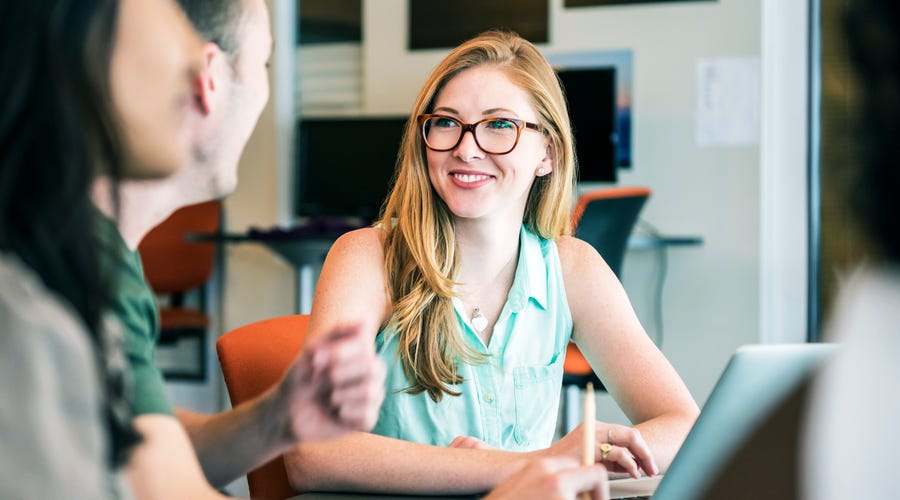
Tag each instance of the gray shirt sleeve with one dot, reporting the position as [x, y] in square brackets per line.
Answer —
[52, 439]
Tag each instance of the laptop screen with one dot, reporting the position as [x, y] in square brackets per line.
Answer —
[755, 381]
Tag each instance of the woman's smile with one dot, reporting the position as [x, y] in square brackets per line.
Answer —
[470, 179]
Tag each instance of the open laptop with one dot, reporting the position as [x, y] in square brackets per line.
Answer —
[754, 383]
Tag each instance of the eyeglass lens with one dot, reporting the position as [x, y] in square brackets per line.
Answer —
[495, 136]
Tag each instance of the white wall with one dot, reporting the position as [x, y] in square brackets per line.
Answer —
[786, 89]
[711, 301]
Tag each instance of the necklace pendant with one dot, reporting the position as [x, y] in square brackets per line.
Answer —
[479, 322]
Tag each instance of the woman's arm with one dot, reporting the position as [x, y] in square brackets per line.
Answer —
[352, 287]
[632, 368]
[378, 464]
[352, 290]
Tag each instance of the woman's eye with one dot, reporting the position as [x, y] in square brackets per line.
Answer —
[444, 123]
[500, 125]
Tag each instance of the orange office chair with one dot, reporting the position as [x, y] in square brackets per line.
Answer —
[174, 267]
[604, 218]
[253, 358]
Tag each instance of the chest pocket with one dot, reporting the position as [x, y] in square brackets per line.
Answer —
[537, 391]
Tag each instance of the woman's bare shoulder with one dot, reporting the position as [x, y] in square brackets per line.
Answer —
[363, 243]
[574, 252]
[366, 235]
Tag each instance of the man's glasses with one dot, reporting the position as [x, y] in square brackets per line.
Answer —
[496, 136]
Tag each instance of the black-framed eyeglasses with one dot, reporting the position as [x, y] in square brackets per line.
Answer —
[496, 136]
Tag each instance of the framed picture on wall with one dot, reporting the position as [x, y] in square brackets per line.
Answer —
[435, 25]
[329, 21]
[591, 3]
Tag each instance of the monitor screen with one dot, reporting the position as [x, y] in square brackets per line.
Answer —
[591, 96]
[345, 166]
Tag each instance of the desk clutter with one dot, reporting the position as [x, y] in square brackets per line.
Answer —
[313, 227]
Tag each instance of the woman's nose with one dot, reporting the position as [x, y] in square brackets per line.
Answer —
[468, 150]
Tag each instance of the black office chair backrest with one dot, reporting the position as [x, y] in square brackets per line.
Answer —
[605, 218]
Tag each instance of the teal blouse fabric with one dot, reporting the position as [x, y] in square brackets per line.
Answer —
[511, 400]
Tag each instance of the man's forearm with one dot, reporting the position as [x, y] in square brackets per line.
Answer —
[162, 465]
[232, 443]
[368, 462]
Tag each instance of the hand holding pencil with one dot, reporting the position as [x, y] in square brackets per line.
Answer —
[631, 454]
[560, 476]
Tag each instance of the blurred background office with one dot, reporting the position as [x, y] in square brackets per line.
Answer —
[722, 94]
[745, 193]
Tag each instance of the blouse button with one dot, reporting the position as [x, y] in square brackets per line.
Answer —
[489, 398]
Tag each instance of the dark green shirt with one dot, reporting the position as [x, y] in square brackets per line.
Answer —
[135, 306]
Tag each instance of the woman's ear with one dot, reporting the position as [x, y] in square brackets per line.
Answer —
[546, 165]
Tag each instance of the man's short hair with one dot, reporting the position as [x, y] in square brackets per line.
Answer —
[217, 21]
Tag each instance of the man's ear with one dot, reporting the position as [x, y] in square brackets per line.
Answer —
[206, 80]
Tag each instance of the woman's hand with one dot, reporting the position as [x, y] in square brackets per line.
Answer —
[619, 448]
[554, 478]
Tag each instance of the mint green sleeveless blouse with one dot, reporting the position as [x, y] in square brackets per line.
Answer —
[510, 401]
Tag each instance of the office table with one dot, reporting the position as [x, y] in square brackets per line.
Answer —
[650, 242]
[618, 488]
[306, 249]
[374, 496]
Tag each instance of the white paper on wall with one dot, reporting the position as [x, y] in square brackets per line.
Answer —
[728, 103]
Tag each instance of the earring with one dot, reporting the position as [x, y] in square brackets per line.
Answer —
[541, 171]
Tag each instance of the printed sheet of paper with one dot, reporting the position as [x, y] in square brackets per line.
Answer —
[728, 103]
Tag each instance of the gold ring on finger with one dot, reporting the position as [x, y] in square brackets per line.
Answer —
[605, 448]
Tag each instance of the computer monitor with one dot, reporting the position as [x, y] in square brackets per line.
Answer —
[591, 96]
[345, 166]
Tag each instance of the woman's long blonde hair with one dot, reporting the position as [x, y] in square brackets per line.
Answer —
[420, 247]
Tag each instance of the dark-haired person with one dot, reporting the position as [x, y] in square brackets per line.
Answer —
[68, 73]
[229, 95]
[852, 436]
[100, 88]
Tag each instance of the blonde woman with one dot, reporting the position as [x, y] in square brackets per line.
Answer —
[472, 287]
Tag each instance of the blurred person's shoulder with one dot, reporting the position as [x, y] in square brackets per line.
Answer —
[857, 391]
[868, 307]
[50, 396]
[25, 303]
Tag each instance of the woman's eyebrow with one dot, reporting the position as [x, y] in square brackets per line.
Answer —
[498, 110]
[487, 112]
